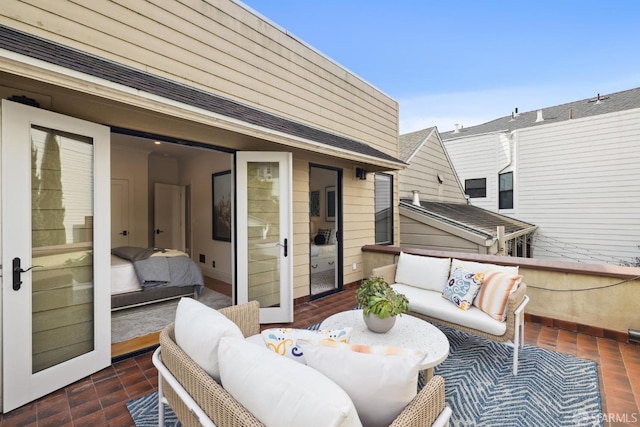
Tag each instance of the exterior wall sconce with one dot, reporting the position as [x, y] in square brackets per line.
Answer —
[361, 173]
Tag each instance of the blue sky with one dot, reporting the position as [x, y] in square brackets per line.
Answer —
[469, 62]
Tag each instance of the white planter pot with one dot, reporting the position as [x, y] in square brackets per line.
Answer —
[378, 325]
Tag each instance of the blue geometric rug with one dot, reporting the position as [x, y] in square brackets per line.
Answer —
[144, 411]
[551, 389]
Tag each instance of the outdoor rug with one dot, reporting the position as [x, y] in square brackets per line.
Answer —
[551, 389]
[138, 321]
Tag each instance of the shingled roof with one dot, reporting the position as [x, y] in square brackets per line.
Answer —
[410, 142]
[83, 62]
[471, 218]
[599, 104]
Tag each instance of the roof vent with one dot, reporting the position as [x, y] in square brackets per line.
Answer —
[539, 117]
[516, 114]
[416, 197]
[457, 128]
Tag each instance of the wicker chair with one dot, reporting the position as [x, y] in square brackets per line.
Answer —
[198, 400]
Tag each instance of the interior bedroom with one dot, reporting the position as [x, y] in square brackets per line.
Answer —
[323, 226]
[163, 241]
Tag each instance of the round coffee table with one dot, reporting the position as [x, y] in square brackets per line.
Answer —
[408, 332]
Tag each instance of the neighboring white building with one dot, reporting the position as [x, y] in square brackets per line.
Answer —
[434, 213]
[571, 169]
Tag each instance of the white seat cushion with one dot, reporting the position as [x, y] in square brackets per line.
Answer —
[423, 271]
[280, 392]
[432, 304]
[380, 385]
[198, 330]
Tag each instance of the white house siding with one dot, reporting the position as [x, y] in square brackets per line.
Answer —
[579, 182]
[221, 47]
[478, 157]
[422, 174]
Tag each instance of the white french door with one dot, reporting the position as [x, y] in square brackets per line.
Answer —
[56, 325]
[264, 233]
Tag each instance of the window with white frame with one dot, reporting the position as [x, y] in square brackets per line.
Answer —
[384, 208]
[505, 191]
[476, 187]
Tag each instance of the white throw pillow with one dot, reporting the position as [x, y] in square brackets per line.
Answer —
[422, 271]
[198, 330]
[283, 341]
[280, 392]
[379, 385]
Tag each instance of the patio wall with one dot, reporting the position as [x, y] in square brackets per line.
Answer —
[585, 297]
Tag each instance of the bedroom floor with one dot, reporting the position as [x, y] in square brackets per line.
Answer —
[134, 345]
[101, 398]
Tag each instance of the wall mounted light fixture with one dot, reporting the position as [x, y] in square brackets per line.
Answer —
[361, 173]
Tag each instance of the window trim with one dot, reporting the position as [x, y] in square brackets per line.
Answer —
[391, 232]
[471, 196]
[502, 192]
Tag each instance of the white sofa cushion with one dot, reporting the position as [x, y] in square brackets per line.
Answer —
[482, 266]
[280, 392]
[432, 304]
[379, 385]
[283, 341]
[198, 330]
[422, 271]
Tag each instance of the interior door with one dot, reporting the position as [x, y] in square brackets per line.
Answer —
[56, 325]
[120, 213]
[169, 216]
[264, 233]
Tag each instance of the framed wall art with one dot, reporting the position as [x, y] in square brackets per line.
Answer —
[221, 205]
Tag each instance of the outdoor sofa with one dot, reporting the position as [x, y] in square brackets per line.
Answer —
[496, 312]
[198, 399]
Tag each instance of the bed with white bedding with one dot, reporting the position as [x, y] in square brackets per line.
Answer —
[146, 275]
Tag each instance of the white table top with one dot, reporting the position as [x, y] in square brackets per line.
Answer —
[408, 332]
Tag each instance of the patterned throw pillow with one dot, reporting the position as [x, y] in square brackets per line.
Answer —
[462, 287]
[495, 291]
[283, 341]
[326, 233]
[370, 349]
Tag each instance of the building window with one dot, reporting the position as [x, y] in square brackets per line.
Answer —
[384, 208]
[505, 191]
[475, 187]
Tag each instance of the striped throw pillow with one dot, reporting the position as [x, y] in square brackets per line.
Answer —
[494, 293]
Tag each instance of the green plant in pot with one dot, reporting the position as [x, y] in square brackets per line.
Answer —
[380, 304]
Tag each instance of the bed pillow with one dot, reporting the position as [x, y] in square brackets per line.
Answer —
[283, 341]
[494, 293]
[422, 271]
[462, 287]
[380, 385]
[319, 239]
[198, 330]
[332, 240]
[280, 392]
[326, 233]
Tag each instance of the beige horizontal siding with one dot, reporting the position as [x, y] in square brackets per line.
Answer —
[220, 47]
[422, 175]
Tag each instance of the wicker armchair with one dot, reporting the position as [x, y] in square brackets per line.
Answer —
[198, 400]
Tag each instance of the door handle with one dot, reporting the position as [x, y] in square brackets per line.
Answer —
[285, 248]
[17, 271]
[158, 231]
[124, 232]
